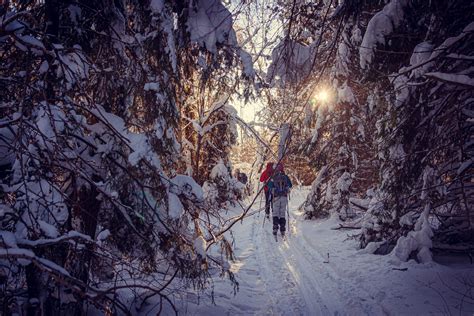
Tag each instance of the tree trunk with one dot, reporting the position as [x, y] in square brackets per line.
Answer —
[34, 286]
[84, 220]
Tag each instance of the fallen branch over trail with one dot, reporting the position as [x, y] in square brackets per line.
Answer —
[346, 227]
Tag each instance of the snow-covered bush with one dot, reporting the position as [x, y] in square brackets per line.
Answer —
[316, 205]
[222, 188]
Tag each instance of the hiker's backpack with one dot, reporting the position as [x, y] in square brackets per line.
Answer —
[280, 185]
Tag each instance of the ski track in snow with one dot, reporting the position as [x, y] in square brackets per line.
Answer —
[296, 276]
[292, 276]
[332, 285]
[279, 276]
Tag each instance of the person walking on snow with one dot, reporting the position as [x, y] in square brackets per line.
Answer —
[280, 186]
[265, 177]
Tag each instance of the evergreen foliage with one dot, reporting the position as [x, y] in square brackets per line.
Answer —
[93, 99]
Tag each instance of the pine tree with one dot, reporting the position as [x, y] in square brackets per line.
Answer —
[91, 95]
[423, 132]
[396, 134]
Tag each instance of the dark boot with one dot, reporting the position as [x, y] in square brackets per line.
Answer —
[276, 220]
[282, 226]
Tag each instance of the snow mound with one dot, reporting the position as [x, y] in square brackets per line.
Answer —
[291, 62]
[175, 207]
[345, 94]
[418, 240]
[210, 23]
[219, 171]
[187, 185]
[380, 26]
[200, 246]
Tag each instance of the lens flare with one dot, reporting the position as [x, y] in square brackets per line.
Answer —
[322, 96]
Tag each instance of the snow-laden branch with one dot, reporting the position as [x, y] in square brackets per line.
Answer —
[72, 235]
[458, 79]
[259, 139]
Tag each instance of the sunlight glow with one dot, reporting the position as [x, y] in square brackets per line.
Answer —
[322, 96]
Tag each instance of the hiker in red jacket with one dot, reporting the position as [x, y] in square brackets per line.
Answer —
[265, 177]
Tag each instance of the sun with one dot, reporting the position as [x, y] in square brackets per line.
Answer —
[322, 96]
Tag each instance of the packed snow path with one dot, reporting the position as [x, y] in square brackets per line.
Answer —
[296, 277]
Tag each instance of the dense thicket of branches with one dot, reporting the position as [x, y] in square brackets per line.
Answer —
[94, 98]
[394, 140]
[115, 115]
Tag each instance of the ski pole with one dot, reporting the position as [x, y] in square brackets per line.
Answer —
[288, 213]
[260, 206]
[265, 215]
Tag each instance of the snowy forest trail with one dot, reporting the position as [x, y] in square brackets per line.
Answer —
[295, 270]
[317, 270]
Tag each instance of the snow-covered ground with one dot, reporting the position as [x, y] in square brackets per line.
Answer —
[319, 271]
